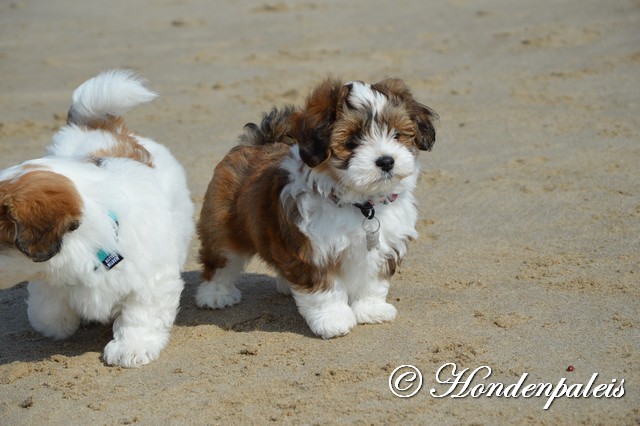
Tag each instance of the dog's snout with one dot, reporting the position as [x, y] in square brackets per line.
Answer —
[385, 163]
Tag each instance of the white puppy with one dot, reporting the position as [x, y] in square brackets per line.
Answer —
[100, 227]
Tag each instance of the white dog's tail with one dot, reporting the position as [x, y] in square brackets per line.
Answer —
[100, 101]
[99, 104]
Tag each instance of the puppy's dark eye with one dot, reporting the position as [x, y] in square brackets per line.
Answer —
[396, 135]
[352, 144]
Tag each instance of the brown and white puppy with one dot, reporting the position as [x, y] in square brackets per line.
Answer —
[324, 194]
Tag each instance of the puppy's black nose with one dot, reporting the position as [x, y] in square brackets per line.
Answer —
[385, 163]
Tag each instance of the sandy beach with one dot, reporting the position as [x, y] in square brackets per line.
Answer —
[528, 259]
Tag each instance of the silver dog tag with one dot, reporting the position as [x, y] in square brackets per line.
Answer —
[373, 241]
[371, 228]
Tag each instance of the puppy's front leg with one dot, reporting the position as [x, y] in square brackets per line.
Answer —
[327, 312]
[368, 301]
[142, 329]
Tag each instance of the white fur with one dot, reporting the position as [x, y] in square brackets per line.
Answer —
[155, 224]
[327, 312]
[112, 93]
[336, 230]
[362, 96]
[221, 291]
[362, 174]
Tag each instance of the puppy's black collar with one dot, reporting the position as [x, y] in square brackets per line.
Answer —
[367, 209]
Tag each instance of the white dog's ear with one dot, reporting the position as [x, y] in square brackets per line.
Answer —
[43, 206]
[424, 117]
[313, 126]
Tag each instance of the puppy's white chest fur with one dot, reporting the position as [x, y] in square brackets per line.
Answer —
[337, 229]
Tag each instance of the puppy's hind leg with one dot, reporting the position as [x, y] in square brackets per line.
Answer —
[218, 289]
[142, 328]
[283, 286]
[49, 311]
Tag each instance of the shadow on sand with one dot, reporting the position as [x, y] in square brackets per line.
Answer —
[262, 309]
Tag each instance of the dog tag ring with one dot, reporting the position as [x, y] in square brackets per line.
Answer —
[371, 228]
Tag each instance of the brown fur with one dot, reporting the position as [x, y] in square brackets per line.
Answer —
[312, 127]
[354, 123]
[242, 213]
[423, 117]
[7, 228]
[37, 210]
[388, 270]
[126, 147]
[328, 124]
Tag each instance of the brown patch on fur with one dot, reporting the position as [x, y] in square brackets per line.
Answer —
[37, 210]
[126, 144]
[7, 229]
[33, 166]
[388, 270]
[109, 123]
[242, 214]
[127, 147]
[312, 127]
[399, 94]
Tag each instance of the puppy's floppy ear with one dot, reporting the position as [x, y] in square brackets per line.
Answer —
[426, 131]
[313, 126]
[423, 116]
[43, 206]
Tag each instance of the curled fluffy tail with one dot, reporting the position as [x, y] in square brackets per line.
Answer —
[274, 128]
[98, 105]
[101, 100]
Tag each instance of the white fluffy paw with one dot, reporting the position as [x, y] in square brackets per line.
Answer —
[215, 296]
[376, 312]
[332, 322]
[129, 354]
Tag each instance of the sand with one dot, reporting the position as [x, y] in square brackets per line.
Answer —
[528, 257]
